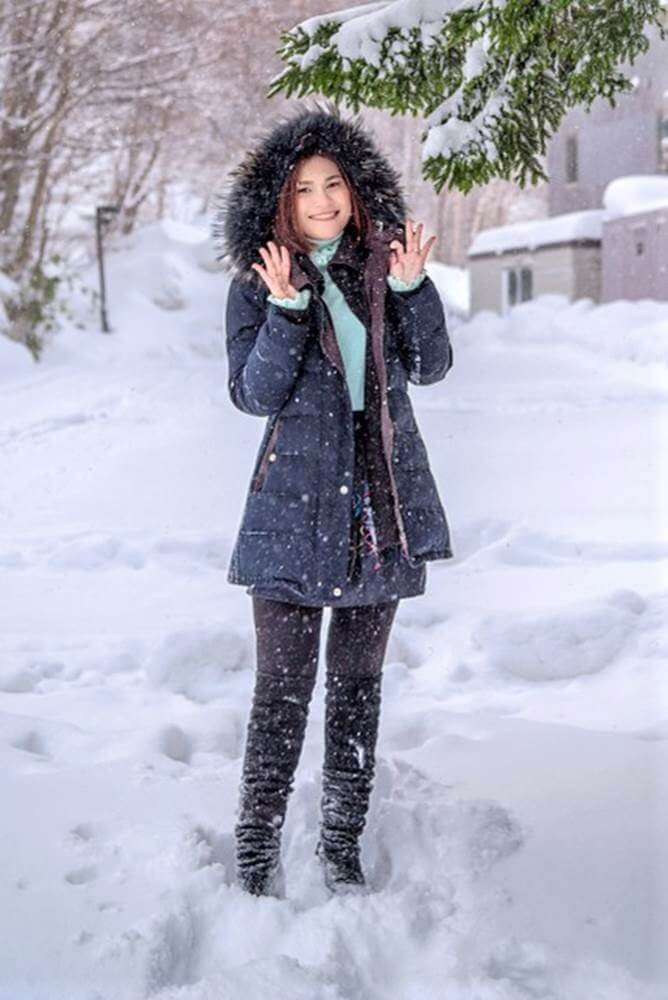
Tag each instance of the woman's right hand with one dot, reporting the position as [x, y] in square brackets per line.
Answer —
[276, 272]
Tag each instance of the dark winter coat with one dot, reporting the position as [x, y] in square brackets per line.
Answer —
[285, 365]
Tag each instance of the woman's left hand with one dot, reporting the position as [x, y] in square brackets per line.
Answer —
[407, 264]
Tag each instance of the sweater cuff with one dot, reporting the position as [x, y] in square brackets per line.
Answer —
[300, 302]
[397, 285]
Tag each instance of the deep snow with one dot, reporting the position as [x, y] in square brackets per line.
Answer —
[515, 843]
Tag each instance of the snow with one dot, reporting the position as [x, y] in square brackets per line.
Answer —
[454, 285]
[515, 842]
[14, 359]
[364, 26]
[632, 195]
[529, 235]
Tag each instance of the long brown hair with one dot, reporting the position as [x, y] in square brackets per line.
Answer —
[285, 229]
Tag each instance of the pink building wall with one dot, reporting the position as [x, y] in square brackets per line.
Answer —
[635, 257]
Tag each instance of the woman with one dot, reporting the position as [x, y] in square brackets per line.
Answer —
[329, 314]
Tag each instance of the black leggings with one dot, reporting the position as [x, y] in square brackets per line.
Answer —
[287, 644]
[288, 638]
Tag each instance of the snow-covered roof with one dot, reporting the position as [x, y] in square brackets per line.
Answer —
[635, 194]
[569, 228]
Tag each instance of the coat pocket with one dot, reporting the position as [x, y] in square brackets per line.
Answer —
[268, 451]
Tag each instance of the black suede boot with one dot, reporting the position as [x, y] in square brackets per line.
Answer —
[352, 710]
[274, 740]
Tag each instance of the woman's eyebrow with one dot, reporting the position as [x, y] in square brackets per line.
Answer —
[330, 178]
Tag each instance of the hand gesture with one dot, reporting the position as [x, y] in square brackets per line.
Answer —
[276, 272]
[407, 264]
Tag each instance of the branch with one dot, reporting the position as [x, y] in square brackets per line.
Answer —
[492, 78]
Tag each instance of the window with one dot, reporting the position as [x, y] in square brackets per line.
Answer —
[526, 284]
[663, 137]
[639, 237]
[512, 288]
[571, 159]
[517, 286]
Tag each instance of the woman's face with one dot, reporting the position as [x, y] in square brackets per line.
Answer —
[322, 199]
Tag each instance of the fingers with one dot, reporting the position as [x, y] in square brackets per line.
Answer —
[276, 271]
[418, 236]
[406, 264]
[281, 259]
[270, 262]
[277, 260]
[413, 236]
[410, 236]
[427, 247]
[267, 271]
[263, 274]
[396, 249]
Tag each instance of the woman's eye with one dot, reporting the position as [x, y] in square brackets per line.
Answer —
[306, 190]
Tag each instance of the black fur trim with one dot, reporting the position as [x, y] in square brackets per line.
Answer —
[245, 208]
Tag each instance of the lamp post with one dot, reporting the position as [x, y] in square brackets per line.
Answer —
[103, 215]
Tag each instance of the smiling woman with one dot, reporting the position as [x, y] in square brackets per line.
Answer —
[343, 509]
[323, 204]
[317, 187]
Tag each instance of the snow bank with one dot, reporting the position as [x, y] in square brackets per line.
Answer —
[454, 287]
[15, 359]
[164, 300]
[634, 332]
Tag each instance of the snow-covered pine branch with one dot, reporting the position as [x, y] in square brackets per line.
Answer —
[492, 78]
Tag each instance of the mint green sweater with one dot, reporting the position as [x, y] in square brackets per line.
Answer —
[350, 333]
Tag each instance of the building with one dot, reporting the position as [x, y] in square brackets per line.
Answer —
[606, 236]
[511, 264]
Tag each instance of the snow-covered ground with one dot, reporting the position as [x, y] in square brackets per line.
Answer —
[517, 832]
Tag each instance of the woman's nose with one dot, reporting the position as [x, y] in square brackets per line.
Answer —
[324, 204]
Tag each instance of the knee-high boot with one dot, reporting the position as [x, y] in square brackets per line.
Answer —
[352, 711]
[274, 741]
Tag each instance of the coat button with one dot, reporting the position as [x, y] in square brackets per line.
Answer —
[343, 489]
[337, 591]
[272, 457]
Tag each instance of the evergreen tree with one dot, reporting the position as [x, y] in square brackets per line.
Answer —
[492, 78]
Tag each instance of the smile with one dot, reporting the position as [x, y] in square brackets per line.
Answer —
[324, 218]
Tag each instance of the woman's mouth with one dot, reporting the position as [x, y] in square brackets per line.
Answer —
[325, 218]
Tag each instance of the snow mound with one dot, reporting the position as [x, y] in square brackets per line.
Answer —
[15, 359]
[194, 662]
[582, 639]
[635, 332]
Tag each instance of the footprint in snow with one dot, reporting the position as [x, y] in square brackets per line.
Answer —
[81, 876]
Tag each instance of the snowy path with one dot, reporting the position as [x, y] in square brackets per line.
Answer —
[520, 808]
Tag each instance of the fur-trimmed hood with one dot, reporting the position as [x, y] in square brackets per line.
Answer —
[246, 208]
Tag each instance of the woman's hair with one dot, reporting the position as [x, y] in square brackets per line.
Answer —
[285, 229]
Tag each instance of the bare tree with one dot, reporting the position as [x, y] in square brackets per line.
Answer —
[99, 83]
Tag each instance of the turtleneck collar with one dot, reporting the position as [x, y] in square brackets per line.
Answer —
[324, 250]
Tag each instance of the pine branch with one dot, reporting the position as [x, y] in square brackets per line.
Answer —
[492, 78]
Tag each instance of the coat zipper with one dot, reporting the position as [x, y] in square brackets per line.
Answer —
[403, 540]
[395, 496]
[264, 462]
